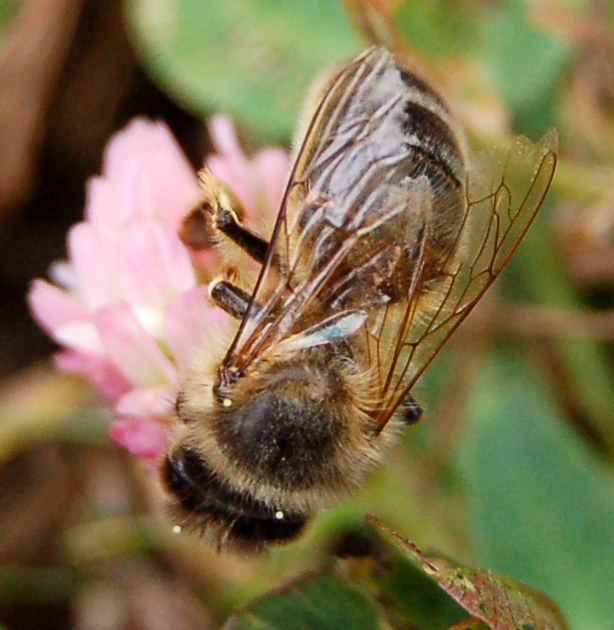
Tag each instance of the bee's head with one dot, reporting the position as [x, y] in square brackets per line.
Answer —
[228, 517]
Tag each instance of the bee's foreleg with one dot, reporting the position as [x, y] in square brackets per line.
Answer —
[208, 225]
[251, 243]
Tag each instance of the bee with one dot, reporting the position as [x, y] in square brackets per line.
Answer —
[386, 238]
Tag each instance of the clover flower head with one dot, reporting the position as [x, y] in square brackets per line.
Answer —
[129, 302]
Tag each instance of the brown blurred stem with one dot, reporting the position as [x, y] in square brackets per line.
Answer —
[32, 55]
[548, 322]
[372, 21]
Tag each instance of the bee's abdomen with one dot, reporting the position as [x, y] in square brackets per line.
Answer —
[432, 147]
[393, 170]
[433, 151]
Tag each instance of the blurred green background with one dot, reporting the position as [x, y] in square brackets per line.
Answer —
[511, 468]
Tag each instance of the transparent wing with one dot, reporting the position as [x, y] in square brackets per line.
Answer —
[352, 180]
[504, 195]
[349, 181]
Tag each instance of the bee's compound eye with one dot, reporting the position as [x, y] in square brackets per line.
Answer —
[226, 377]
[182, 474]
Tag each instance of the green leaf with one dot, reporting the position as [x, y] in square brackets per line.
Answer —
[252, 58]
[391, 583]
[36, 586]
[8, 10]
[526, 65]
[413, 599]
[588, 370]
[439, 28]
[499, 601]
[318, 601]
[541, 506]
[470, 624]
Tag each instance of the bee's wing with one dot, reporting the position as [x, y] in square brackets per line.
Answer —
[504, 194]
[350, 178]
[344, 183]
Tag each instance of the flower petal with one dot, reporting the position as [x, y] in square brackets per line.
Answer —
[80, 336]
[272, 166]
[143, 437]
[63, 274]
[258, 183]
[146, 401]
[191, 321]
[97, 369]
[151, 173]
[175, 189]
[52, 307]
[62, 316]
[133, 350]
[153, 264]
[94, 267]
[231, 165]
[236, 173]
[102, 207]
[208, 263]
[224, 136]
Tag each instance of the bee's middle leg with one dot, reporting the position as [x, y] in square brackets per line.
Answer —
[229, 298]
